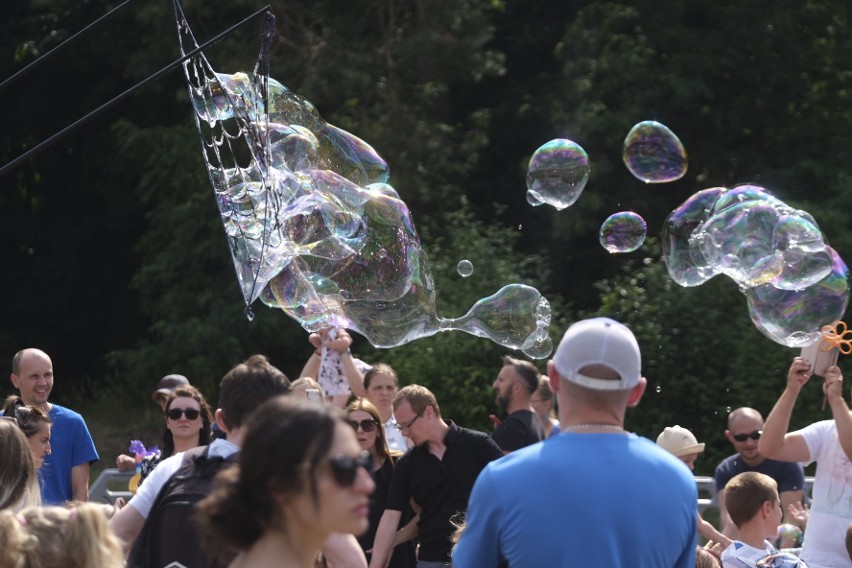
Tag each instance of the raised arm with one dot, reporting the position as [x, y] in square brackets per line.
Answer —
[775, 442]
[343, 551]
[353, 375]
[833, 389]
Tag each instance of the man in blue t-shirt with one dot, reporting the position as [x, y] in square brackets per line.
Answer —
[594, 495]
[745, 426]
[65, 473]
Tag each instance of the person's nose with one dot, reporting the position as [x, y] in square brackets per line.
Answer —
[47, 449]
[364, 483]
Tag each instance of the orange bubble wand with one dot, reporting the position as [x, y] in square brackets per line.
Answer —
[835, 337]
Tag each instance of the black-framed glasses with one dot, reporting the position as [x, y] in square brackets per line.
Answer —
[743, 437]
[408, 426]
[368, 425]
[344, 468]
[190, 413]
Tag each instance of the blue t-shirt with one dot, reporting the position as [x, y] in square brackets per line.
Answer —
[611, 500]
[790, 476]
[70, 445]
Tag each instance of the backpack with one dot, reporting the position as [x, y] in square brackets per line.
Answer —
[169, 538]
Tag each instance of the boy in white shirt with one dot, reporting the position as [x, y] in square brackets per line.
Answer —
[753, 502]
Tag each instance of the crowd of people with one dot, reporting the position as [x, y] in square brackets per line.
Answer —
[345, 468]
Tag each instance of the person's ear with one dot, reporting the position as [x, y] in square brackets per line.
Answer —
[637, 392]
[220, 420]
[554, 376]
[15, 381]
[729, 436]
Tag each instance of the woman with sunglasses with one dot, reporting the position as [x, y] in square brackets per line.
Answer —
[301, 476]
[188, 420]
[365, 420]
[34, 423]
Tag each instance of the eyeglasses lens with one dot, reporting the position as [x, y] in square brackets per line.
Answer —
[345, 468]
[175, 413]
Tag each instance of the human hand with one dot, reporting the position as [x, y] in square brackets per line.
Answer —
[342, 342]
[799, 373]
[799, 513]
[125, 463]
[833, 385]
[315, 339]
[716, 547]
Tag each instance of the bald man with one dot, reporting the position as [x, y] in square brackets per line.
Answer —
[65, 473]
[745, 427]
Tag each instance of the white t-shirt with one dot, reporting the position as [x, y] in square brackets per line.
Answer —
[831, 509]
[741, 555]
[148, 491]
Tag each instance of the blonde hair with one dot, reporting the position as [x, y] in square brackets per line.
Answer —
[418, 397]
[48, 537]
[18, 482]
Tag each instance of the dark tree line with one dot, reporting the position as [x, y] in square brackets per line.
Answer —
[115, 263]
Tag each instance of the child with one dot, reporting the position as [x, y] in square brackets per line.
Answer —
[753, 502]
[681, 443]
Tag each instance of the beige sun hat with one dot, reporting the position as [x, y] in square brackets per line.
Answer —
[679, 441]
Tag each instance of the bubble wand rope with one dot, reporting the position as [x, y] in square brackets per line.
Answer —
[834, 337]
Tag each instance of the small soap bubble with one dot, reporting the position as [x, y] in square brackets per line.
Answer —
[623, 232]
[653, 153]
[659, 388]
[728, 409]
[249, 313]
[557, 174]
[464, 268]
[383, 253]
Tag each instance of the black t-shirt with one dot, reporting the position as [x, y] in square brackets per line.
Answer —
[519, 429]
[441, 487]
[404, 555]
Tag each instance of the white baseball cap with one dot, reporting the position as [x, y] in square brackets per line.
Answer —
[599, 341]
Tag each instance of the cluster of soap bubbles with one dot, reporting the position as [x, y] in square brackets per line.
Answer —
[558, 171]
[315, 229]
[794, 281]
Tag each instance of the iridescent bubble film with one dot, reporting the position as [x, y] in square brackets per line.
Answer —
[315, 229]
[684, 260]
[557, 174]
[794, 281]
[623, 232]
[464, 268]
[794, 317]
[653, 154]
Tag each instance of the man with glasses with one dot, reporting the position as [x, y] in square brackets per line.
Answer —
[745, 426]
[437, 473]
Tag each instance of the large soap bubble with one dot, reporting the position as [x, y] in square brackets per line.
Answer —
[557, 174]
[795, 283]
[653, 153]
[315, 229]
[684, 260]
[795, 317]
[623, 232]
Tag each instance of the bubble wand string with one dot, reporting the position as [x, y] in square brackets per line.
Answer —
[834, 337]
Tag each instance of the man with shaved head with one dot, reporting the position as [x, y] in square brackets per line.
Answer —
[745, 426]
[65, 473]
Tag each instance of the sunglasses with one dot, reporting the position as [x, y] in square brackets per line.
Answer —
[743, 437]
[175, 413]
[344, 468]
[368, 425]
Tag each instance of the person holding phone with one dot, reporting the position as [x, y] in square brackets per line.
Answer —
[745, 428]
[829, 444]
